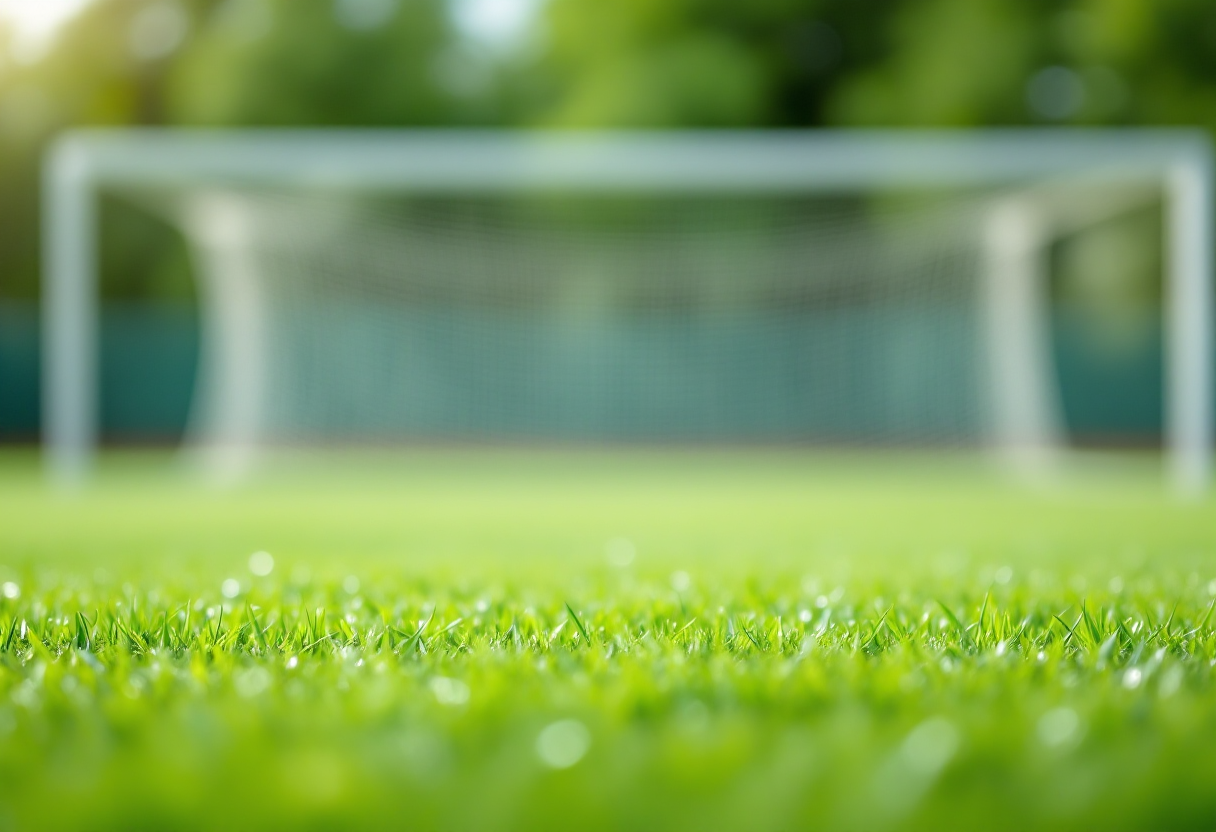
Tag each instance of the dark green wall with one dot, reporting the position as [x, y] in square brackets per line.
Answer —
[1111, 377]
[149, 354]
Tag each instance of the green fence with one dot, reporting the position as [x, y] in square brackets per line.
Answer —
[1110, 372]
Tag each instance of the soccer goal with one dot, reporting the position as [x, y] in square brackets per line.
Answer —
[862, 289]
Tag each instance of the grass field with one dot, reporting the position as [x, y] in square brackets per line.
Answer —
[759, 641]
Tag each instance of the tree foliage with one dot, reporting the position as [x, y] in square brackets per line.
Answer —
[590, 63]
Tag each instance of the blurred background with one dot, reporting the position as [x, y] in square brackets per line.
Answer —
[580, 64]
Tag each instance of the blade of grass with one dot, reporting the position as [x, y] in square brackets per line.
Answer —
[578, 622]
[962, 630]
[258, 635]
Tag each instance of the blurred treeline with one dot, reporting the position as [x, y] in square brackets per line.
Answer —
[582, 63]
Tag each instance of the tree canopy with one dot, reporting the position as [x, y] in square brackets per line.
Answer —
[588, 63]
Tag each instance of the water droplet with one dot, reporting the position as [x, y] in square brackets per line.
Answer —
[930, 746]
[620, 552]
[261, 564]
[1171, 681]
[251, 682]
[449, 691]
[1058, 726]
[563, 743]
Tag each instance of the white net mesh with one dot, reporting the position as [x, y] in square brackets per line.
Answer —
[569, 318]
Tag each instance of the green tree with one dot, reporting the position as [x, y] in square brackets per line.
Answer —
[704, 62]
[975, 62]
[322, 62]
[624, 63]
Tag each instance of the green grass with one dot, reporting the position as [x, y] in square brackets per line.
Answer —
[454, 641]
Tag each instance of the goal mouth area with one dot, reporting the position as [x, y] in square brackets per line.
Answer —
[336, 313]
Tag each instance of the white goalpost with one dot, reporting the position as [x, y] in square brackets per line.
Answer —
[732, 251]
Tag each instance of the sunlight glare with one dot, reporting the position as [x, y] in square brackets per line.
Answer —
[35, 22]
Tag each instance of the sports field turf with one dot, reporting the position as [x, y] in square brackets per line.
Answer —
[607, 641]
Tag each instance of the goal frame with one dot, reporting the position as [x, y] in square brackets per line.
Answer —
[1176, 162]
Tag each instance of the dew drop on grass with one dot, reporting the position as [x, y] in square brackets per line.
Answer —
[930, 746]
[449, 691]
[620, 552]
[261, 564]
[1058, 726]
[1171, 681]
[562, 744]
[251, 682]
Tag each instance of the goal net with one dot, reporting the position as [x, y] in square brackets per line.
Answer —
[596, 297]
[586, 320]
